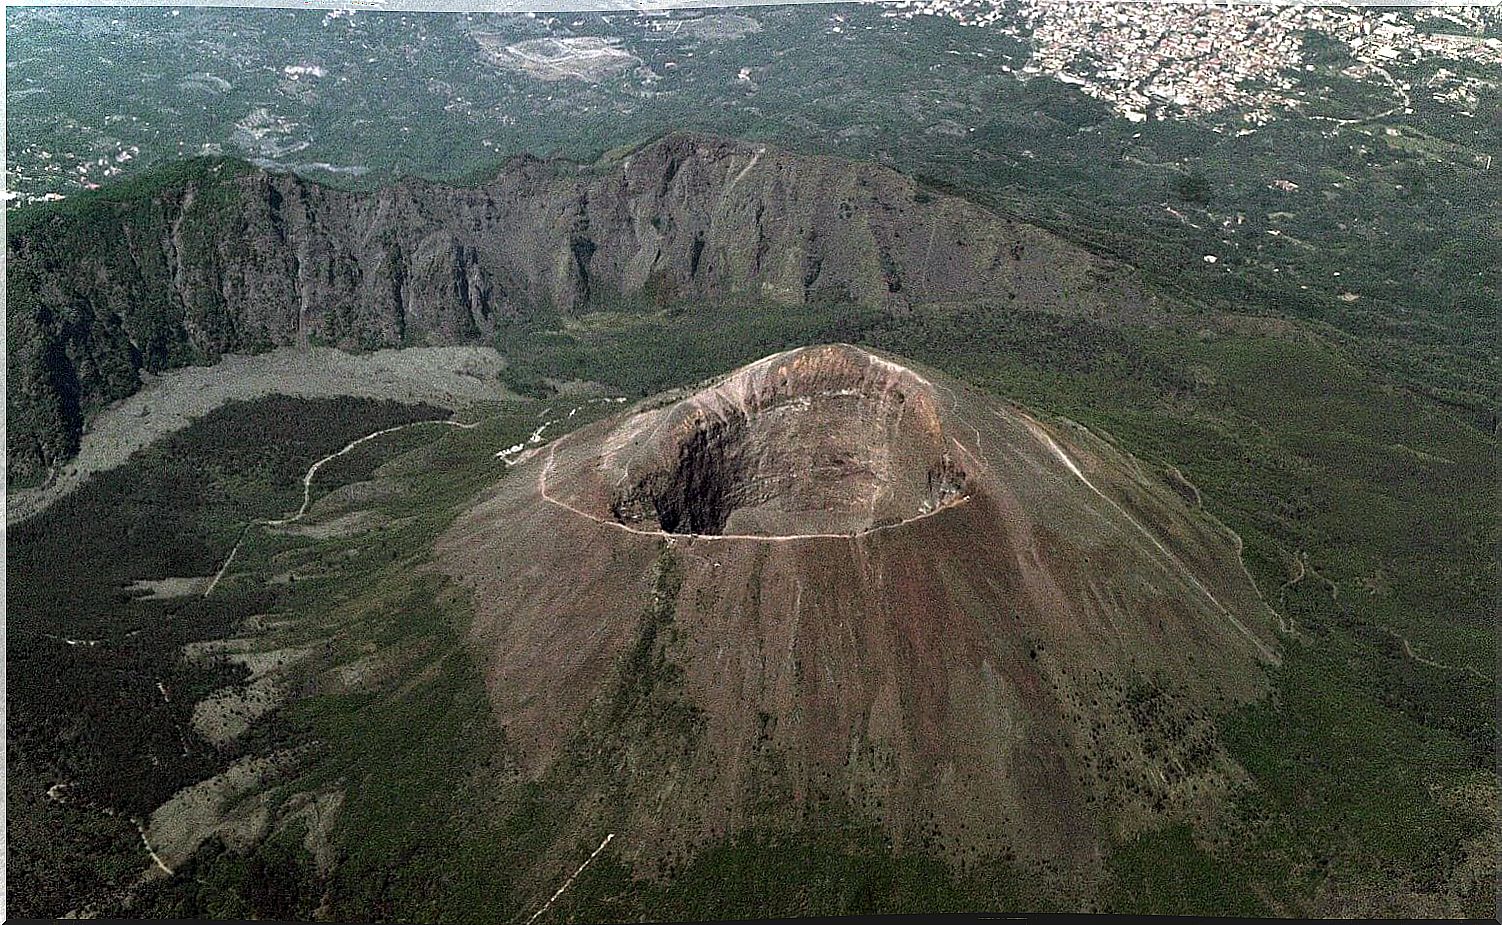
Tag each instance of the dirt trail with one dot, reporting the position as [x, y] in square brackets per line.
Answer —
[1069, 464]
[307, 480]
[569, 882]
[453, 377]
[155, 858]
[1284, 621]
[227, 560]
[1302, 560]
[1409, 651]
[307, 488]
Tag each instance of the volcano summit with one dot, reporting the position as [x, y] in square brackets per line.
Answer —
[824, 442]
[830, 581]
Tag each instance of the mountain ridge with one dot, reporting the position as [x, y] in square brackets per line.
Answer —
[216, 257]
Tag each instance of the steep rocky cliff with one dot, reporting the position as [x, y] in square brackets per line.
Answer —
[214, 257]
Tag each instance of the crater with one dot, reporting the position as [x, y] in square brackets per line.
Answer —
[824, 440]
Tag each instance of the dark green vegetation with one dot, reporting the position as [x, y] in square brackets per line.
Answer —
[63, 366]
[833, 867]
[644, 352]
[1166, 873]
[1349, 442]
[85, 654]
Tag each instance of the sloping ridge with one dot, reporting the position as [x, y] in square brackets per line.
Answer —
[993, 633]
[221, 258]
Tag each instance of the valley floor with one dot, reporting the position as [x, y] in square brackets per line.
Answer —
[449, 376]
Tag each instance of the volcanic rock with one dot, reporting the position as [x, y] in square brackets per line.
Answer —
[220, 257]
[831, 579]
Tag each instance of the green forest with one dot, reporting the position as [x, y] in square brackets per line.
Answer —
[1326, 385]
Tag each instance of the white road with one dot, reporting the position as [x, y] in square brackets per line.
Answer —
[307, 480]
[1058, 451]
[569, 882]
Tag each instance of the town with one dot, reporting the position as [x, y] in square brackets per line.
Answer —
[1180, 60]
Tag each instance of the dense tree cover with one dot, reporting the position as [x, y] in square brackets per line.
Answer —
[98, 696]
[88, 308]
[1347, 440]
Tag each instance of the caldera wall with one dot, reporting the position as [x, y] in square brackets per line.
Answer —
[828, 440]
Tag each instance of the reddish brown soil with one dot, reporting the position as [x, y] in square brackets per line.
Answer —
[899, 594]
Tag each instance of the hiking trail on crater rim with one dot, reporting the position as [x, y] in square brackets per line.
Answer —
[828, 576]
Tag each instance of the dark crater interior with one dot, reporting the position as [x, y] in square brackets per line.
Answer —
[841, 459]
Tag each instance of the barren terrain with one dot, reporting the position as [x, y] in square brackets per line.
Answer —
[836, 575]
[449, 376]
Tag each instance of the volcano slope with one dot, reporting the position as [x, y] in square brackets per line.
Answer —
[828, 581]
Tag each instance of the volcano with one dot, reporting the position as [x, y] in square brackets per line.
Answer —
[830, 578]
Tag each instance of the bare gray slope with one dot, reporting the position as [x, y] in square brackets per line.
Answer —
[450, 376]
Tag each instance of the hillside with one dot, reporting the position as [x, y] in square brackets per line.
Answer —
[826, 579]
[216, 257]
[413, 783]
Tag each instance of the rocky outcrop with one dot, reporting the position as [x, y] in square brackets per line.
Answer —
[215, 257]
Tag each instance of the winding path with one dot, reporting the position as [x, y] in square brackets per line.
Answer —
[1302, 560]
[1409, 651]
[307, 488]
[307, 480]
[1047, 440]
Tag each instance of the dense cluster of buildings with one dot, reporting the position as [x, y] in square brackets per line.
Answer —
[83, 172]
[1181, 60]
[1239, 64]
